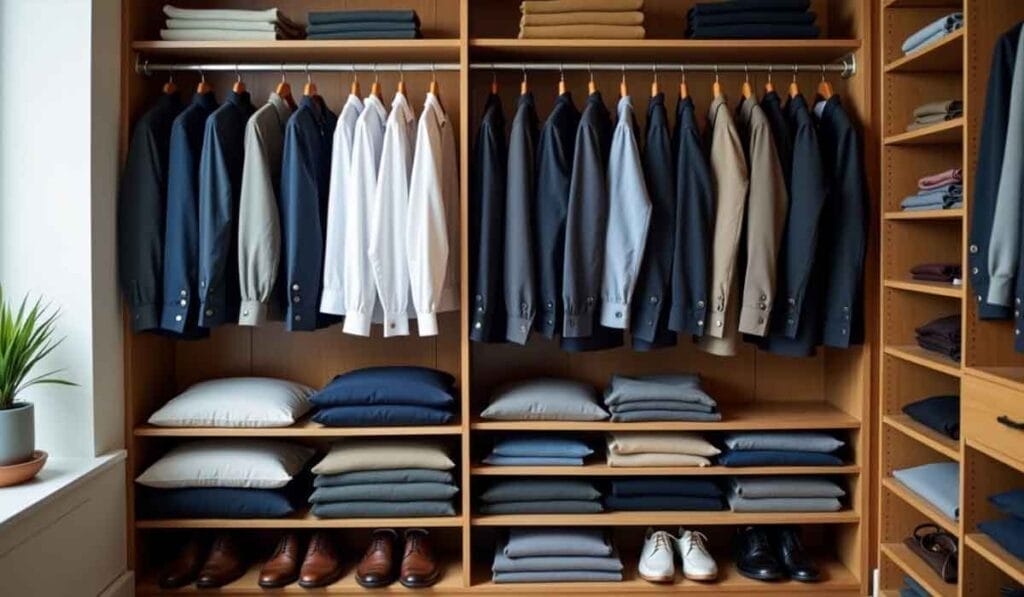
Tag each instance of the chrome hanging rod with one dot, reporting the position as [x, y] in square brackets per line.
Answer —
[144, 67]
[846, 67]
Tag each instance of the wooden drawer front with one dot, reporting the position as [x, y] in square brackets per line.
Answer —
[993, 415]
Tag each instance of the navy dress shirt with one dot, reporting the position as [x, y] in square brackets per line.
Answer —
[220, 186]
[520, 280]
[181, 241]
[141, 211]
[305, 181]
[487, 230]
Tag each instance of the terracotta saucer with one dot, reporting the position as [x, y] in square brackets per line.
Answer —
[14, 474]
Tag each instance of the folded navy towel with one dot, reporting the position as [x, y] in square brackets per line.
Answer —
[215, 502]
[1009, 533]
[362, 26]
[769, 31]
[663, 502]
[753, 17]
[748, 5]
[381, 416]
[356, 16]
[648, 486]
[777, 458]
[941, 413]
[367, 35]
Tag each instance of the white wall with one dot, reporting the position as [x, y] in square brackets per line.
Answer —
[59, 94]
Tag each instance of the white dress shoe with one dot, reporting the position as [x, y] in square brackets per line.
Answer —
[697, 563]
[657, 559]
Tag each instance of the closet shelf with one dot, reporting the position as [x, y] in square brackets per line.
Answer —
[304, 428]
[1012, 377]
[746, 416]
[725, 517]
[950, 448]
[920, 504]
[932, 214]
[919, 356]
[304, 50]
[946, 55]
[943, 133]
[600, 469]
[913, 565]
[922, 3]
[303, 520]
[693, 50]
[994, 553]
[933, 288]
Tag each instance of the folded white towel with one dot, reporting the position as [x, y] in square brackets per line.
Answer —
[216, 35]
[270, 15]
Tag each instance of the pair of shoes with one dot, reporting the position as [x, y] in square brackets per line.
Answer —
[773, 554]
[320, 567]
[417, 569]
[208, 565]
[657, 558]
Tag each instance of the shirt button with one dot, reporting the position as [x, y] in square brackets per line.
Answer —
[550, 322]
[792, 301]
[478, 325]
[760, 320]
[209, 312]
[183, 293]
[480, 309]
[650, 322]
[245, 313]
[1016, 332]
[718, 323]
[844, 331]
[974, 248]
[177, 318]
[522, 328]
[846, 309]
[590, 300]
[523, 306]
[295, 287]
[550, 305]
[978, 297]
[700, 324]
[762, 306]
[183, 303]
[789, 321]
[297, 318]
[618, 315]
[974, 270]
[764, 297]
[202, 283]
[479, 297]
[391, 325]
[1017, 301]
[654, 299]
[700, 304]
[296, 299]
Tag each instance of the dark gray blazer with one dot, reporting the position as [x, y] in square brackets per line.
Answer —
[520, 286]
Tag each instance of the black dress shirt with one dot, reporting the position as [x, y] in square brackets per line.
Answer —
[486, 230]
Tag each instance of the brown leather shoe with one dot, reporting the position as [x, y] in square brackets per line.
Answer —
[282, 568]
[321, 566]
[377, 568]
[419, 569]
[224, 565]
[185, 567]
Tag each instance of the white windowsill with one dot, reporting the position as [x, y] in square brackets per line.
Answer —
[59, 476]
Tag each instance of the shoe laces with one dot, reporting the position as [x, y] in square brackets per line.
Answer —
[698, 540]
[661, 541]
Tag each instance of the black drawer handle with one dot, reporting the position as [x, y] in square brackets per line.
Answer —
[1005, 420]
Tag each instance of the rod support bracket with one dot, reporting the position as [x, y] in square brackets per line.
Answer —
[849, 62]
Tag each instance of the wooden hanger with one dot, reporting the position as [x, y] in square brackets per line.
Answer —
[239, 86]
[794, 89]
[203, 87]
[284, 90]
[591, 86]
[768, 85]
[310, 89]
[623, 88]
[354, 87]
[655, 87]
[747, 91]
[169, 87]
[561, 81]
[824, 87]
[435, 89]
[375, 88]
[524, 85]
[716, 87]
[494, 82]
[684, 90]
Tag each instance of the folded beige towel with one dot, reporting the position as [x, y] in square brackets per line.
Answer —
[539, 6]
[219, 35]
[380, 454]
[656, 459]
[583, 18]
[664, 442]
[582, 32]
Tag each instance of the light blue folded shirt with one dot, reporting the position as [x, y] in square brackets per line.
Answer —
[933, 31]
[937, 483]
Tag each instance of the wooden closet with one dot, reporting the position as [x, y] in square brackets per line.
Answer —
[990, 375]
[756, 390]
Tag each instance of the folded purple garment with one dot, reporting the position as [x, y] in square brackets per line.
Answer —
[947, 327]
[936, 272]
[941, 179]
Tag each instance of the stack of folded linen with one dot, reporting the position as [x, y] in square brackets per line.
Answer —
[664, 493]
[385, 485]
[938, 483]
[940, 413]
[933, 32]
[942, 336]
[659, 398]
[659, 448]
[950, 273]
[225, 478]
[943, 190]
[541, 496]
[556, 555]
[752, 19]
[538, 450]
[784, 494]
[545, 399]
[1007, 532]
[936, 112]
[214, 24]
[781, 448]
[582, 19]
[386, 396]
[364, 24]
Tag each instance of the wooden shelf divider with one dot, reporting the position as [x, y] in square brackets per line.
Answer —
[943, 133]
[920, 504]
[950, 448]
[913, 565]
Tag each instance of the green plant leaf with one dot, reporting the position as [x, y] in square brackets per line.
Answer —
[26, 338]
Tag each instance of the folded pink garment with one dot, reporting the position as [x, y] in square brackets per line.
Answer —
[934, 181]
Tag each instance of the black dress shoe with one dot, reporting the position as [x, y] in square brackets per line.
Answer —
[798, 564]
[755, 557]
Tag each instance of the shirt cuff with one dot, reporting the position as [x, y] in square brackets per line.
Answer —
[252, 313]
[332, 302]
[615, 315]
[357, 324]
[754, 319]
[518, 329]
[396, 324]
[1000, 290]
[145, 317]
[427, 323]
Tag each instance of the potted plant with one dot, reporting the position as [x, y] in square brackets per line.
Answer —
[26, 338]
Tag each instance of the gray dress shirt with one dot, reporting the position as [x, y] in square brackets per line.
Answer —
[259, 222]
[519, 278]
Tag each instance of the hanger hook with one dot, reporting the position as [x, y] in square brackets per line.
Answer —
[433, 72]
[682, 73]
[590, 70]
[401, 72]
[494, 74]
[769, 73]
[623, 72]
[746, 73]
[561, 72]
[524, 74]
[654, 68]
[170, 75]
[822, 72]
[202, 76]
[716, 73]
[375, 79]
[796, 69]
[309, 78]
[283, 78]
[238, 74]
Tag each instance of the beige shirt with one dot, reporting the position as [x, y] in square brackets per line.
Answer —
[731, 180]
[767, 204]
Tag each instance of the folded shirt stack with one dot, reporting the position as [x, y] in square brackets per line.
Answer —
[386, 396]
[950, 273]
[1007, 532]
[225, 478]
[659, 398]
[371, 478]
[938, 483]
[541, 496]
[947, 197]
[780, 448]
[658, 448]
[941, 179]
[556, 555]
[939, 413]
[538, 450]
[933, 32]
[935, 112]
[364, 24]
[664, 493]
[941, 336]
[582, 19]
[752, 19]
[214, 24]
[784, 494]
[912, 588]
[545, 399]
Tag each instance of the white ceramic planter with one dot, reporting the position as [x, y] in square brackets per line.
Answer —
[17, 433]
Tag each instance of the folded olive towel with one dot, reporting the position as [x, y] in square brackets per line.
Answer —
[582, 32]
[583, 18]
[664, 442]
[549, 6]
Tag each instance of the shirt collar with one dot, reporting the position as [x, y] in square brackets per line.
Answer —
[433, 103]
[205, 100]
[281, 107]
[400, 107]
[715, 105]
[625, 107]
[311, 105]
[239, 99]
[373, 103]
[353, 101]
[747, 108]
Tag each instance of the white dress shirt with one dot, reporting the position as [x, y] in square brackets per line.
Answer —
[359, 289]
[386, 248]
[629, 215]
[333, 300]
[432, 235]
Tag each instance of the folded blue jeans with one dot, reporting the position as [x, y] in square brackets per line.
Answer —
[777, 458]
[649, 486]
[927, 34]
[679, 503]
[381, 416]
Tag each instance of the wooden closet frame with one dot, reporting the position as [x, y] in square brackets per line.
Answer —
[831, 391]
[990, 374]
